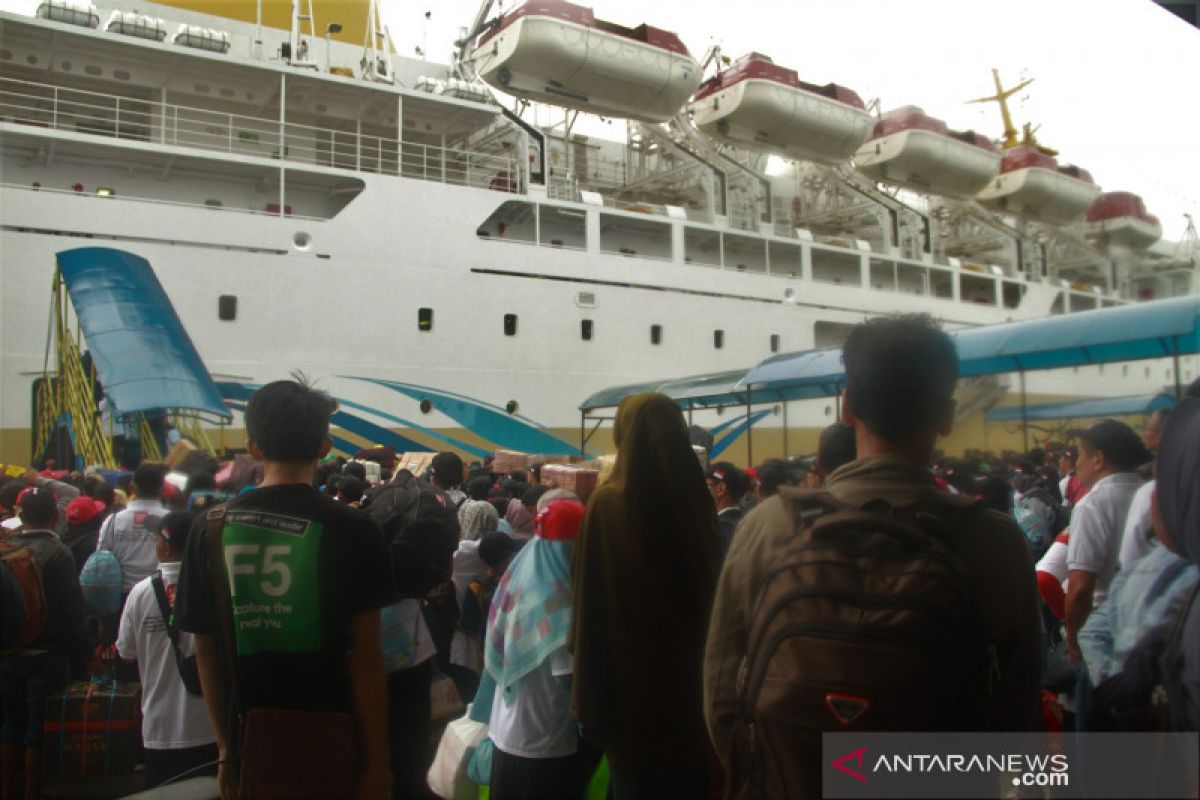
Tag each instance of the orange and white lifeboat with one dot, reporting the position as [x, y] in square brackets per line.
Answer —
[554, 52]
[911, 149]
[1120, 218]
[760, 106]
[1032, 185]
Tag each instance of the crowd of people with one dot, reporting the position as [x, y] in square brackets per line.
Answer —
[691, 630]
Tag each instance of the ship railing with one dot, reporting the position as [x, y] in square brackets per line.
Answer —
[80, 111]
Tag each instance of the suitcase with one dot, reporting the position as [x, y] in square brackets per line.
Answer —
[93, 729]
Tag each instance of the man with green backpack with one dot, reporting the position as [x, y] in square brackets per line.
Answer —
[881, 603]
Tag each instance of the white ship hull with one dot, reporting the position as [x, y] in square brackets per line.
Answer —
[361, 209]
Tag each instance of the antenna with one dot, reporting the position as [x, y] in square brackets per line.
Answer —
[1001, 96]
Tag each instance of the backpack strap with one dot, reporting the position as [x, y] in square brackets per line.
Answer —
[223, 634]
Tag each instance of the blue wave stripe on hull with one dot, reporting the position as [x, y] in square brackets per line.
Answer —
[441, 437]
[491, 423]
[721, 445]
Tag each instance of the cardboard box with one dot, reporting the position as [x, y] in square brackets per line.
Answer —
[416, 462]
[580, 480]
[178, 453]
[92, 729]
[508, 460]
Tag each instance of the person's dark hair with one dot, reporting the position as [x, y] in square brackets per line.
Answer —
[531, 495]
[129, 459]
[351, 489]
[837, 447]
[1037, 457]
[385, 474]
[332, 484]
[105, 493]
[9, 492]
[511, 488]
[89, 484]
[1193, 389]
[289, 420]
[201, 481]
[356, 470]
[900, 375]
[148, 479]
[175, 528]
[500, 503]
[1123, 449]
[446, 470]
[478, 488]
[519, 476]
[495, 547]
[775, 472]
[736, 481]
[38, 509]
[995, 492]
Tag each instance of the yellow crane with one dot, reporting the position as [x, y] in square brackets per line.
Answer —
[1001, 96]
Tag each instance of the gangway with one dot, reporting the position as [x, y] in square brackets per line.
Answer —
[113, 334]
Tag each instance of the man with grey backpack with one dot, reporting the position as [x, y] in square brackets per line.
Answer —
[880, 603]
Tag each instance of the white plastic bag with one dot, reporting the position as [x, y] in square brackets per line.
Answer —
[448, 774]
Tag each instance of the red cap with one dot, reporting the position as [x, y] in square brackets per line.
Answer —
[83, 509]
[559, 521]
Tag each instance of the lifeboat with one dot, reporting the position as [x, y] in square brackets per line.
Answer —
[1031, 184]
[1120, 218]
[911, 149]
[758, 105]
[554, 52]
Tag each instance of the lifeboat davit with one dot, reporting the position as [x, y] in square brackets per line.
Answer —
[909, 148]
[1120, 218]
[1031, 184]
[558, 53]
[761, 106]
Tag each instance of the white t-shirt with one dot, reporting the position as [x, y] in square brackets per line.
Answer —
[535, 720]
[127, 536]
[172, 719]
[1096, 527]
[1137, 539]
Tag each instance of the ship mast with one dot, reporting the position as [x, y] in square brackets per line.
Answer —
[1001, 96]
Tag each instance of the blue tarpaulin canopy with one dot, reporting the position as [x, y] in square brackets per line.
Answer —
[143, 356]
[1084, 409]
[1158, 329]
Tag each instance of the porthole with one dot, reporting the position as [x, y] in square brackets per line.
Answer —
[586, 330]
[5, 55]
[510, 325]
[656, 334]
[424, 319]
[718, 339]
[121, 75]
[426, 405]
[774, 342]
[31, 59]
[512, 407]
[227, 307]
[65, 66]
[302, 240]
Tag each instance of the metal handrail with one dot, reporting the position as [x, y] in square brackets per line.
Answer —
[59, 108]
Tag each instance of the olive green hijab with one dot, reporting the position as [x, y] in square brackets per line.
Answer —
[645, 573]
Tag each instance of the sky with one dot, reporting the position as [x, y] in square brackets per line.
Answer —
[1115, 86]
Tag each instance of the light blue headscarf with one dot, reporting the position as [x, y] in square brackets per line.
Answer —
[530, 615]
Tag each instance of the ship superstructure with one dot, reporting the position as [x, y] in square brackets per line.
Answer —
[460, 277]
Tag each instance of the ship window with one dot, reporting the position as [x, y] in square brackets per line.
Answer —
[784, 259]
[634, 237]
[941, 283]
[563, 227]
[227, 307]
[883, 275]
[656, 334]
[745, 254]
[833, 266]
[511, 222]
[586, 329]
[912, 280]
[1013, 293]
[718, 339]
[978, 289]
[774, 342]
[510, 324]
[701, 247]
[426, 405]
[424, 319]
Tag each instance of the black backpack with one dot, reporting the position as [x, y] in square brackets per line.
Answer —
[866, 622]
[421, 529]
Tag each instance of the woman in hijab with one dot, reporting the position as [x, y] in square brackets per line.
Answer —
[476, 519]
[537, 747]
[1176, 511]
[645, 574]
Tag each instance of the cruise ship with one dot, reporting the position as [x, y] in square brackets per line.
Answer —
[461, 277]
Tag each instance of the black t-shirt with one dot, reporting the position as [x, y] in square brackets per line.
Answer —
[302, 566]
